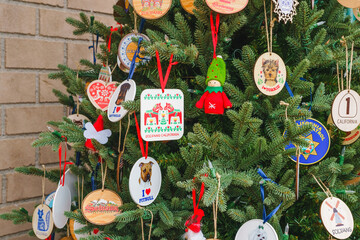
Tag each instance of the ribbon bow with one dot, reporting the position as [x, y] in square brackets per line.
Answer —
[193, 222]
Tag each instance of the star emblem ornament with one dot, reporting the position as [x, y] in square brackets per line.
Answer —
[286, 9]
[306, 151]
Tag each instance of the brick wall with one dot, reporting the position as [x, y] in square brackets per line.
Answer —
[34, 39]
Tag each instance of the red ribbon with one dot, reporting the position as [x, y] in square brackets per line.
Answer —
[62, 180]
[196, 206]
[111, 32]
[162, 80]
[145, 154]
[214, 30]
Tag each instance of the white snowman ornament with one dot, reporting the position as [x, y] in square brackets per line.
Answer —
[258, 234]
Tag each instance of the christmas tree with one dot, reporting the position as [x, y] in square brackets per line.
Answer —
[251, 135]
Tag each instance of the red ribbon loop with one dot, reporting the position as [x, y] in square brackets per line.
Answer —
[145, 154]
[111, 32]
[171, 63]
[196, 206]
[62, 179]
[214, 30]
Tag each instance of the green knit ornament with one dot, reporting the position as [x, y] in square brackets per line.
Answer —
[217, 71]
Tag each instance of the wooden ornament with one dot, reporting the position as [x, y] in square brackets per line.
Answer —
[99, 93]
[62, 204]
[286, 9]
[127, 48]
[319, 143]
[42, 221]
[256, 230]
[100, 207]
[151, 9]
[227, 6]
[188, 5]
[337, 218]
[145, 181]
[356, 12]
[67, 238]
[350, 137]
[270, 74]
[126, 91]
[345, 110]
[350, 3]
[78, 119]
[162, 114]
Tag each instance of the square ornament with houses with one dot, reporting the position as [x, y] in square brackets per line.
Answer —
[162, 114]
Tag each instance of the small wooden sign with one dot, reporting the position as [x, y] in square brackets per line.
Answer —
[42, 221]
[188, 5]
[227, 6]
[100, 92]
[151, 9]
[350, 3]
[100, 207]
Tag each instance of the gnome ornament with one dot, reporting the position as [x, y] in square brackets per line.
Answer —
[214, 99]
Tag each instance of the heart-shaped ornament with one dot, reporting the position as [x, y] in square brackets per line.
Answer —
[147, 191]
[100, 92]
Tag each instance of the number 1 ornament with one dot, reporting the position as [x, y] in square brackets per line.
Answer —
[286, 9]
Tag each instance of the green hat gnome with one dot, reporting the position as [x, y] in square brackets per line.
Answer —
[214, 100]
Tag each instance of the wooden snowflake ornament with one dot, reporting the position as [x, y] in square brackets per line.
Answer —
[286, 9]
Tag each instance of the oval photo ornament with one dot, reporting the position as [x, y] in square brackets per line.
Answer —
[270, 73]
[337, 218]
[145, 181]
[255, 229]
[319, 143]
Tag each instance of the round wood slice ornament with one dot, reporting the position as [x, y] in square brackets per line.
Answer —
[188, 5]
[127, 48]
[62, 204]
[100, 207]
[78, 119]
[255, 229]
[151, 9]
[350, 137]
[356, 12]
[345, 110]
[145, 181]
[99, 93]
[42, 221]
[126, 91]
[350, 3]
[319, 143]
[337, 218]
[49, 200]
[270, 73]
[227, 6]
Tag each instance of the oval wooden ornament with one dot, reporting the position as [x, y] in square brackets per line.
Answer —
[255, 229]
[227, 6]
[350, 3]
[337, 218]
[42, 221]
[151, 9]
[67, 238]
[350, 137]
[127, 48]
[270, 73]
[188, 5]
[345, 110]
[100, 207]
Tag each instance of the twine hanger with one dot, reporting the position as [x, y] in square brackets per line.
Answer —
[43, 185]
[323, 187]
[282, 103]
[103, 175]
[348, 72]
[120, 163]
[269, 39]
[216, 205]
[142, 223]
[80, 197]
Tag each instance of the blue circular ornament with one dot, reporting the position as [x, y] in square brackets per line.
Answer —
[318, 143]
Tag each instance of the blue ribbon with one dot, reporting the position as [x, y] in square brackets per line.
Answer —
[133, 64]
[142, 23]
[262, 192]
[288, 89]
[78, 155]
[93, 177]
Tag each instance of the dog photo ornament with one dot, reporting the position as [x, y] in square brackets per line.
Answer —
[337, 218]
[162, 114]
[42, 221]
[145, 181]
[319, 143]
[270, 73]
[126, 91]
[255, 229]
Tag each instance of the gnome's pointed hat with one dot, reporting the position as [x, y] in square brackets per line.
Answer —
[217, 70]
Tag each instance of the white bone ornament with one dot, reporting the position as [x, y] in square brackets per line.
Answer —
[100, 136]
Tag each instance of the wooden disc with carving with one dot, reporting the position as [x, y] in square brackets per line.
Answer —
[151, 9]
[350, 3]
[227, 6]
[100, 207]
[188, 5]
[42, 221]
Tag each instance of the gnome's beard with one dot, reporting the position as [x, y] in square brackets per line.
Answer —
[190, 235]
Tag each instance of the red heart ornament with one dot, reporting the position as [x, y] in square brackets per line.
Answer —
[100, 92]
[96, 231]
[118, 109]
[147, 191]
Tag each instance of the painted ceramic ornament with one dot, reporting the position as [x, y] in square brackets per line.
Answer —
[100, 207]
[337, 218]
[151, 9]
[162, 114]
[42, 221]
[350, 3]
[319, 143]
[105, 74]
[126, 91]
[270, 73]
[350, 137]
[188, 5]
[345, 110]
[62, 204]
[145, 181]
[49, 200]
[286, 9]
[255, 229]
[356, 12]
[127, 48]
[70, 183]
[227, 7]
[99, 93]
